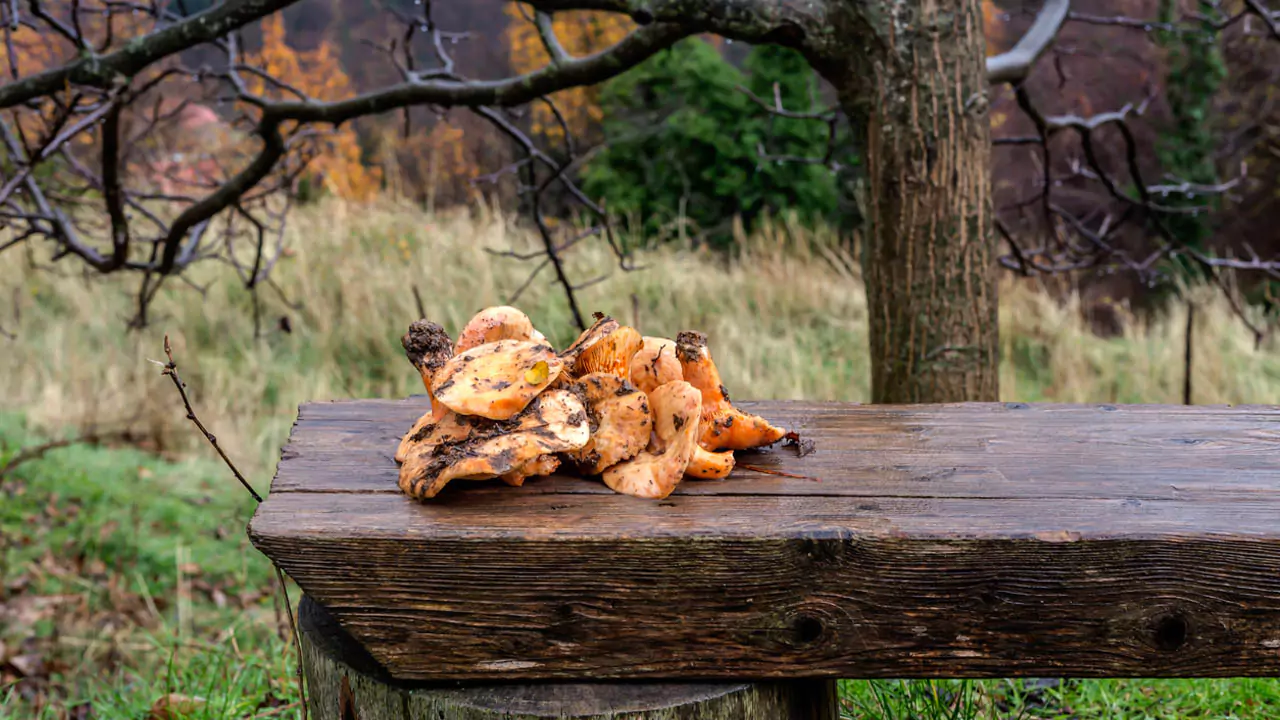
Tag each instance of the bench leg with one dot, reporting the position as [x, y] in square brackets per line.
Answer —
[344, 683]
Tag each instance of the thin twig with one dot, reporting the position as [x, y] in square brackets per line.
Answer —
[767, 471]
[171, 370]
[36, 452]
[417, 299]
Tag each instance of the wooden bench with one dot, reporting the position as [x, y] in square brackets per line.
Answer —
[972, 540]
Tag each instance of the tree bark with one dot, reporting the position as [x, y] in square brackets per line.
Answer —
[344, 683]
[911, 76]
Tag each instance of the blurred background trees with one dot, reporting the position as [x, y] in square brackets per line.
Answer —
[684, 146]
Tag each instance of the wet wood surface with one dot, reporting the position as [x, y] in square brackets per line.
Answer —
[977, 540]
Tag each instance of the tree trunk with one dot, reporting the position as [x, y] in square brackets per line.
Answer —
[344, 683]
[911, 76]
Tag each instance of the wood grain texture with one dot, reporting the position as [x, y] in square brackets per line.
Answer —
[340, 691]
[980, 540]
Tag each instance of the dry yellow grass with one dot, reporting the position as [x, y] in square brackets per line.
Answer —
[786, 319]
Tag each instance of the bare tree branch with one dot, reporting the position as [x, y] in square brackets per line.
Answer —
[101, 71]
[508, 92]
[171, 371]
[1016, 64]
[547, 31]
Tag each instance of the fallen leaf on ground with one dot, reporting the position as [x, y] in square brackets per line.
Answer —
[30, 665]
[175, 707]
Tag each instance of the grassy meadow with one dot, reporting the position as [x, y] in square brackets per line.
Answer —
[125, 574]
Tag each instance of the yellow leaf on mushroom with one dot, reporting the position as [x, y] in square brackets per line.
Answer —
[497, 380]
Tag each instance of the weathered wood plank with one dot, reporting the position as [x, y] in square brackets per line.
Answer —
[980, 450]
[339, 690]
[967, 540]
[706, 588]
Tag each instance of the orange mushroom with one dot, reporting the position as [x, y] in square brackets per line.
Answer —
[707, 465]
[599, 330]
[655, 363]
[428, 348]
[621, 422]
[724, 427]
[498, 379]
[500, 322]
[469, 448]
[537, 467]
[611, 354]
[655, 472]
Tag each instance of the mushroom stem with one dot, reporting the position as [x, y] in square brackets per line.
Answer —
[723, 426]
[428, 348]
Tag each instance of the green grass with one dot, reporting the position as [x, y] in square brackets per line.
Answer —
[158, 588]
[1123, 699]
[127, 578]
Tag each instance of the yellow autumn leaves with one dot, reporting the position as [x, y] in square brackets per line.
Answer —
[581, 32]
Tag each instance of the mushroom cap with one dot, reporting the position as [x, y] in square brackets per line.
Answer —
[471, 448]
[500, 322]
[611, 354]
[655, 364]
[620, 418]
[655, 472]
[407, 441]
[496, 380]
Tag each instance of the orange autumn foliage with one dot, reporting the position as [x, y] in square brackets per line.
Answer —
[319, 75]
[993, 27]
[581, 33]
[29, 50]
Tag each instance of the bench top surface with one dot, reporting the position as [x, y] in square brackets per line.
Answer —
[982, 522]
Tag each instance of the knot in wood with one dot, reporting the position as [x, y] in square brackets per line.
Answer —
[812, 624]
[808, 629]
[1171, 632]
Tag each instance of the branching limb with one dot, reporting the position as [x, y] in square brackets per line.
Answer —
[101, 71]
[547, 31]
[755, 21]
[1268, 16]
[1015, 65]
[508, 92]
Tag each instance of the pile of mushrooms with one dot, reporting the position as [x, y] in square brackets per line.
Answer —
[641, 412]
